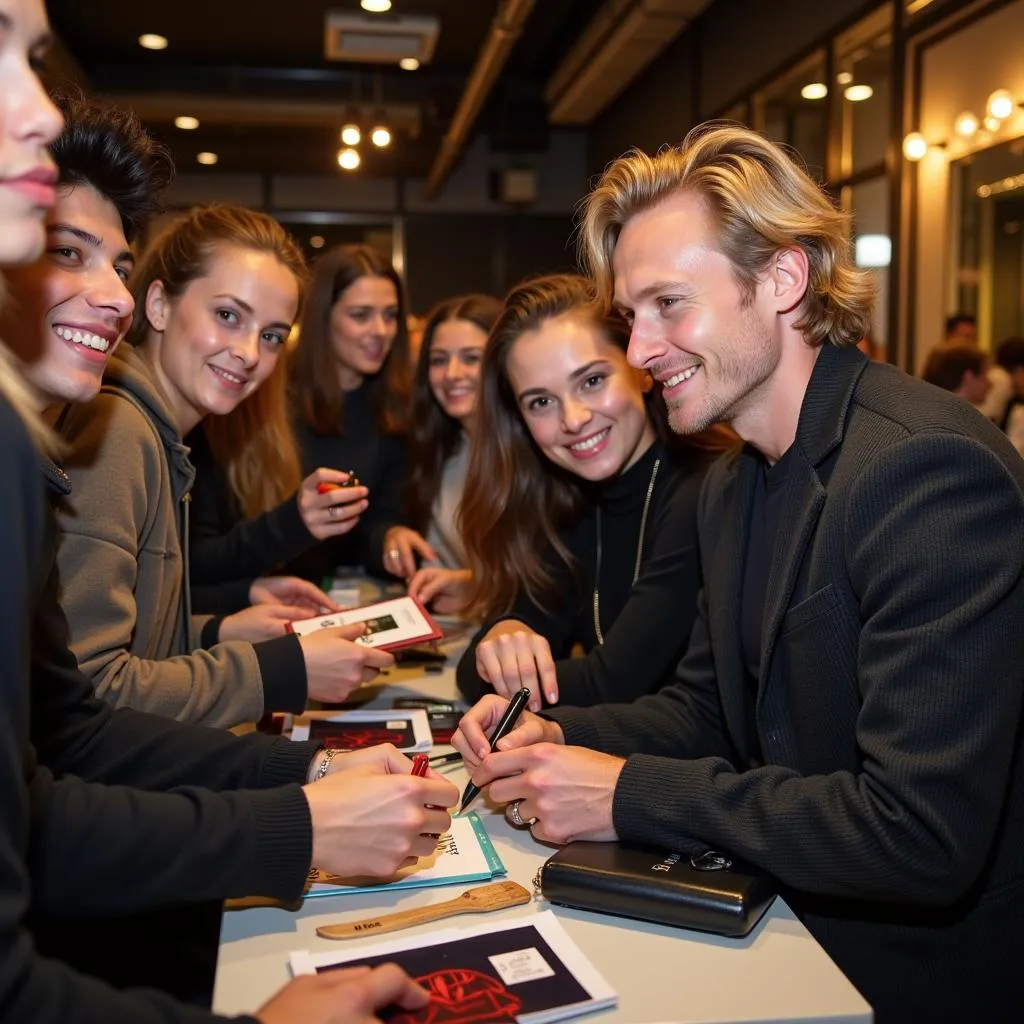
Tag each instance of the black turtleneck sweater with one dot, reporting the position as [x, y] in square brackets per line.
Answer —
[646, 626]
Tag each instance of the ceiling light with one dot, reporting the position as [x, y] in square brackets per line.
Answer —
[151, 41]
[380, 136]
[351, 135]
[966, 124]
[915, 145]
[1000, 104]
[207, 159]
[814, 91]
[375, 6]
[844, 77]
[992, 124]
[348, 159]
[317, 241]
[408, 63]
[857, 93]
[186, 123]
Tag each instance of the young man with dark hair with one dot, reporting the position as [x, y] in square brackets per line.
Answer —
[848, 713]
[961, 329]
[960, 369]
[136, 812]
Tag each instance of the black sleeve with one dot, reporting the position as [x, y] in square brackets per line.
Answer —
[387, 504]
[226, 551]
[557, 623]
[650, 634]
[33, 988]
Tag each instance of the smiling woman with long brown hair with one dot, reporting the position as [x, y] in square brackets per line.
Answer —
[579, 514]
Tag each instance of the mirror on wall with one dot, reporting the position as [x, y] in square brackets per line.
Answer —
[987, 255]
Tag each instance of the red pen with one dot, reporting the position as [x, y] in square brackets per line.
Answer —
[420, 764]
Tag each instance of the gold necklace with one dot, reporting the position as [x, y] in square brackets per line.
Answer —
[639, 552]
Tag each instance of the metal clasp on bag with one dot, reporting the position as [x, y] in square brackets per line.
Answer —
[710, 860]
[538, 882]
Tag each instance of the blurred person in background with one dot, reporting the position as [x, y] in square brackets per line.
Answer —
[445, 392]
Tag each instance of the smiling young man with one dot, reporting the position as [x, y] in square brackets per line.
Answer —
[848, 713]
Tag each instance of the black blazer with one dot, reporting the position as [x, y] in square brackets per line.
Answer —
[891, 801]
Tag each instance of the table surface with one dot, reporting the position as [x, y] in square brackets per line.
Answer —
[777, 973]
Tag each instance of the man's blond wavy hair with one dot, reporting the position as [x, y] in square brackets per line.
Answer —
[760, 201]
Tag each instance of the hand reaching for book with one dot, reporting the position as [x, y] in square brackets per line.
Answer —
[352, 995]
[259, 622]
[402, 545]
[335, 665]
[443, 589]
[370, 821]
[292, 591]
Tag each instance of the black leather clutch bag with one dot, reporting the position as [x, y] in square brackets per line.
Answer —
[710, 892]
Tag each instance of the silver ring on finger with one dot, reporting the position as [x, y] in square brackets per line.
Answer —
[513, 815]
[334, 511]
[393, 554]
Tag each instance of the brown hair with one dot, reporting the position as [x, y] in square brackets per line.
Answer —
[434, 435]
[760, 200]
[948, 363]
[254, 444]
[516, 501]
[314, 377]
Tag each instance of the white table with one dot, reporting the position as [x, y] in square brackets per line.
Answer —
[777, 973]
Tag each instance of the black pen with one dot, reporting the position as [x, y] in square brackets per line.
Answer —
[505, 726]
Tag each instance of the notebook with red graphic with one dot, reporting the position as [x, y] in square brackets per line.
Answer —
[407, 729]
[526, 971]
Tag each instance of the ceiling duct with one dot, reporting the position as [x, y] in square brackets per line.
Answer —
[618, 43]
[377, 40]
[505, 30]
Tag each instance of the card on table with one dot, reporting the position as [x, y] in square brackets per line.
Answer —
[527, 970]
[407, 728]
[464, 853]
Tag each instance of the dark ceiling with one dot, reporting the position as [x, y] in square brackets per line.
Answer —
[263, 51]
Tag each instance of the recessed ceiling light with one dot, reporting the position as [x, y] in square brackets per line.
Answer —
[857, 93]
[380, 136]
[186, 122]
[375, 6]
[207, 159]
[348, 159]
[844, 77]
[152, 41]
[814, 91]
[408, 63]
[1000, 104]
[317, 241]
[351, 135]
[966, 124]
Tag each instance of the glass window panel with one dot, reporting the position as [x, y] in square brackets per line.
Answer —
[868, 202]
[861, 94]
[790, 111]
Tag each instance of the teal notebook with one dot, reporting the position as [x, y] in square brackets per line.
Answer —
[464, 853]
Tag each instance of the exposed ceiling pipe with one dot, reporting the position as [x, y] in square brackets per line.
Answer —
[505, 30]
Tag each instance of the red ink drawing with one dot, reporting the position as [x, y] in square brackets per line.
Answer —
[460, 996]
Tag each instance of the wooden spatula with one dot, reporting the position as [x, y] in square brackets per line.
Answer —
[479, 900]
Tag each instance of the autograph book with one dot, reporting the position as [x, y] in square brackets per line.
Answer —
[390, 625]
[527, 971]
[464, 854]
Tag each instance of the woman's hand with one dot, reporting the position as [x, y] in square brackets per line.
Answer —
[260, 622]
[444, 589]
[401, 546]
[331, 502]
[511, 656]
[291, 590]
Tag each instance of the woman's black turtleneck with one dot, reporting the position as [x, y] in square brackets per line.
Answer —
[646, 626]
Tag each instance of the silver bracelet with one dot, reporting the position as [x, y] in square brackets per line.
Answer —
[325, 764]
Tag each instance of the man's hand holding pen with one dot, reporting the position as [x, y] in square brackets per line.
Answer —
[567, 790]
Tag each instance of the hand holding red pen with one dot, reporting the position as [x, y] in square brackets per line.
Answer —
[331, 501]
